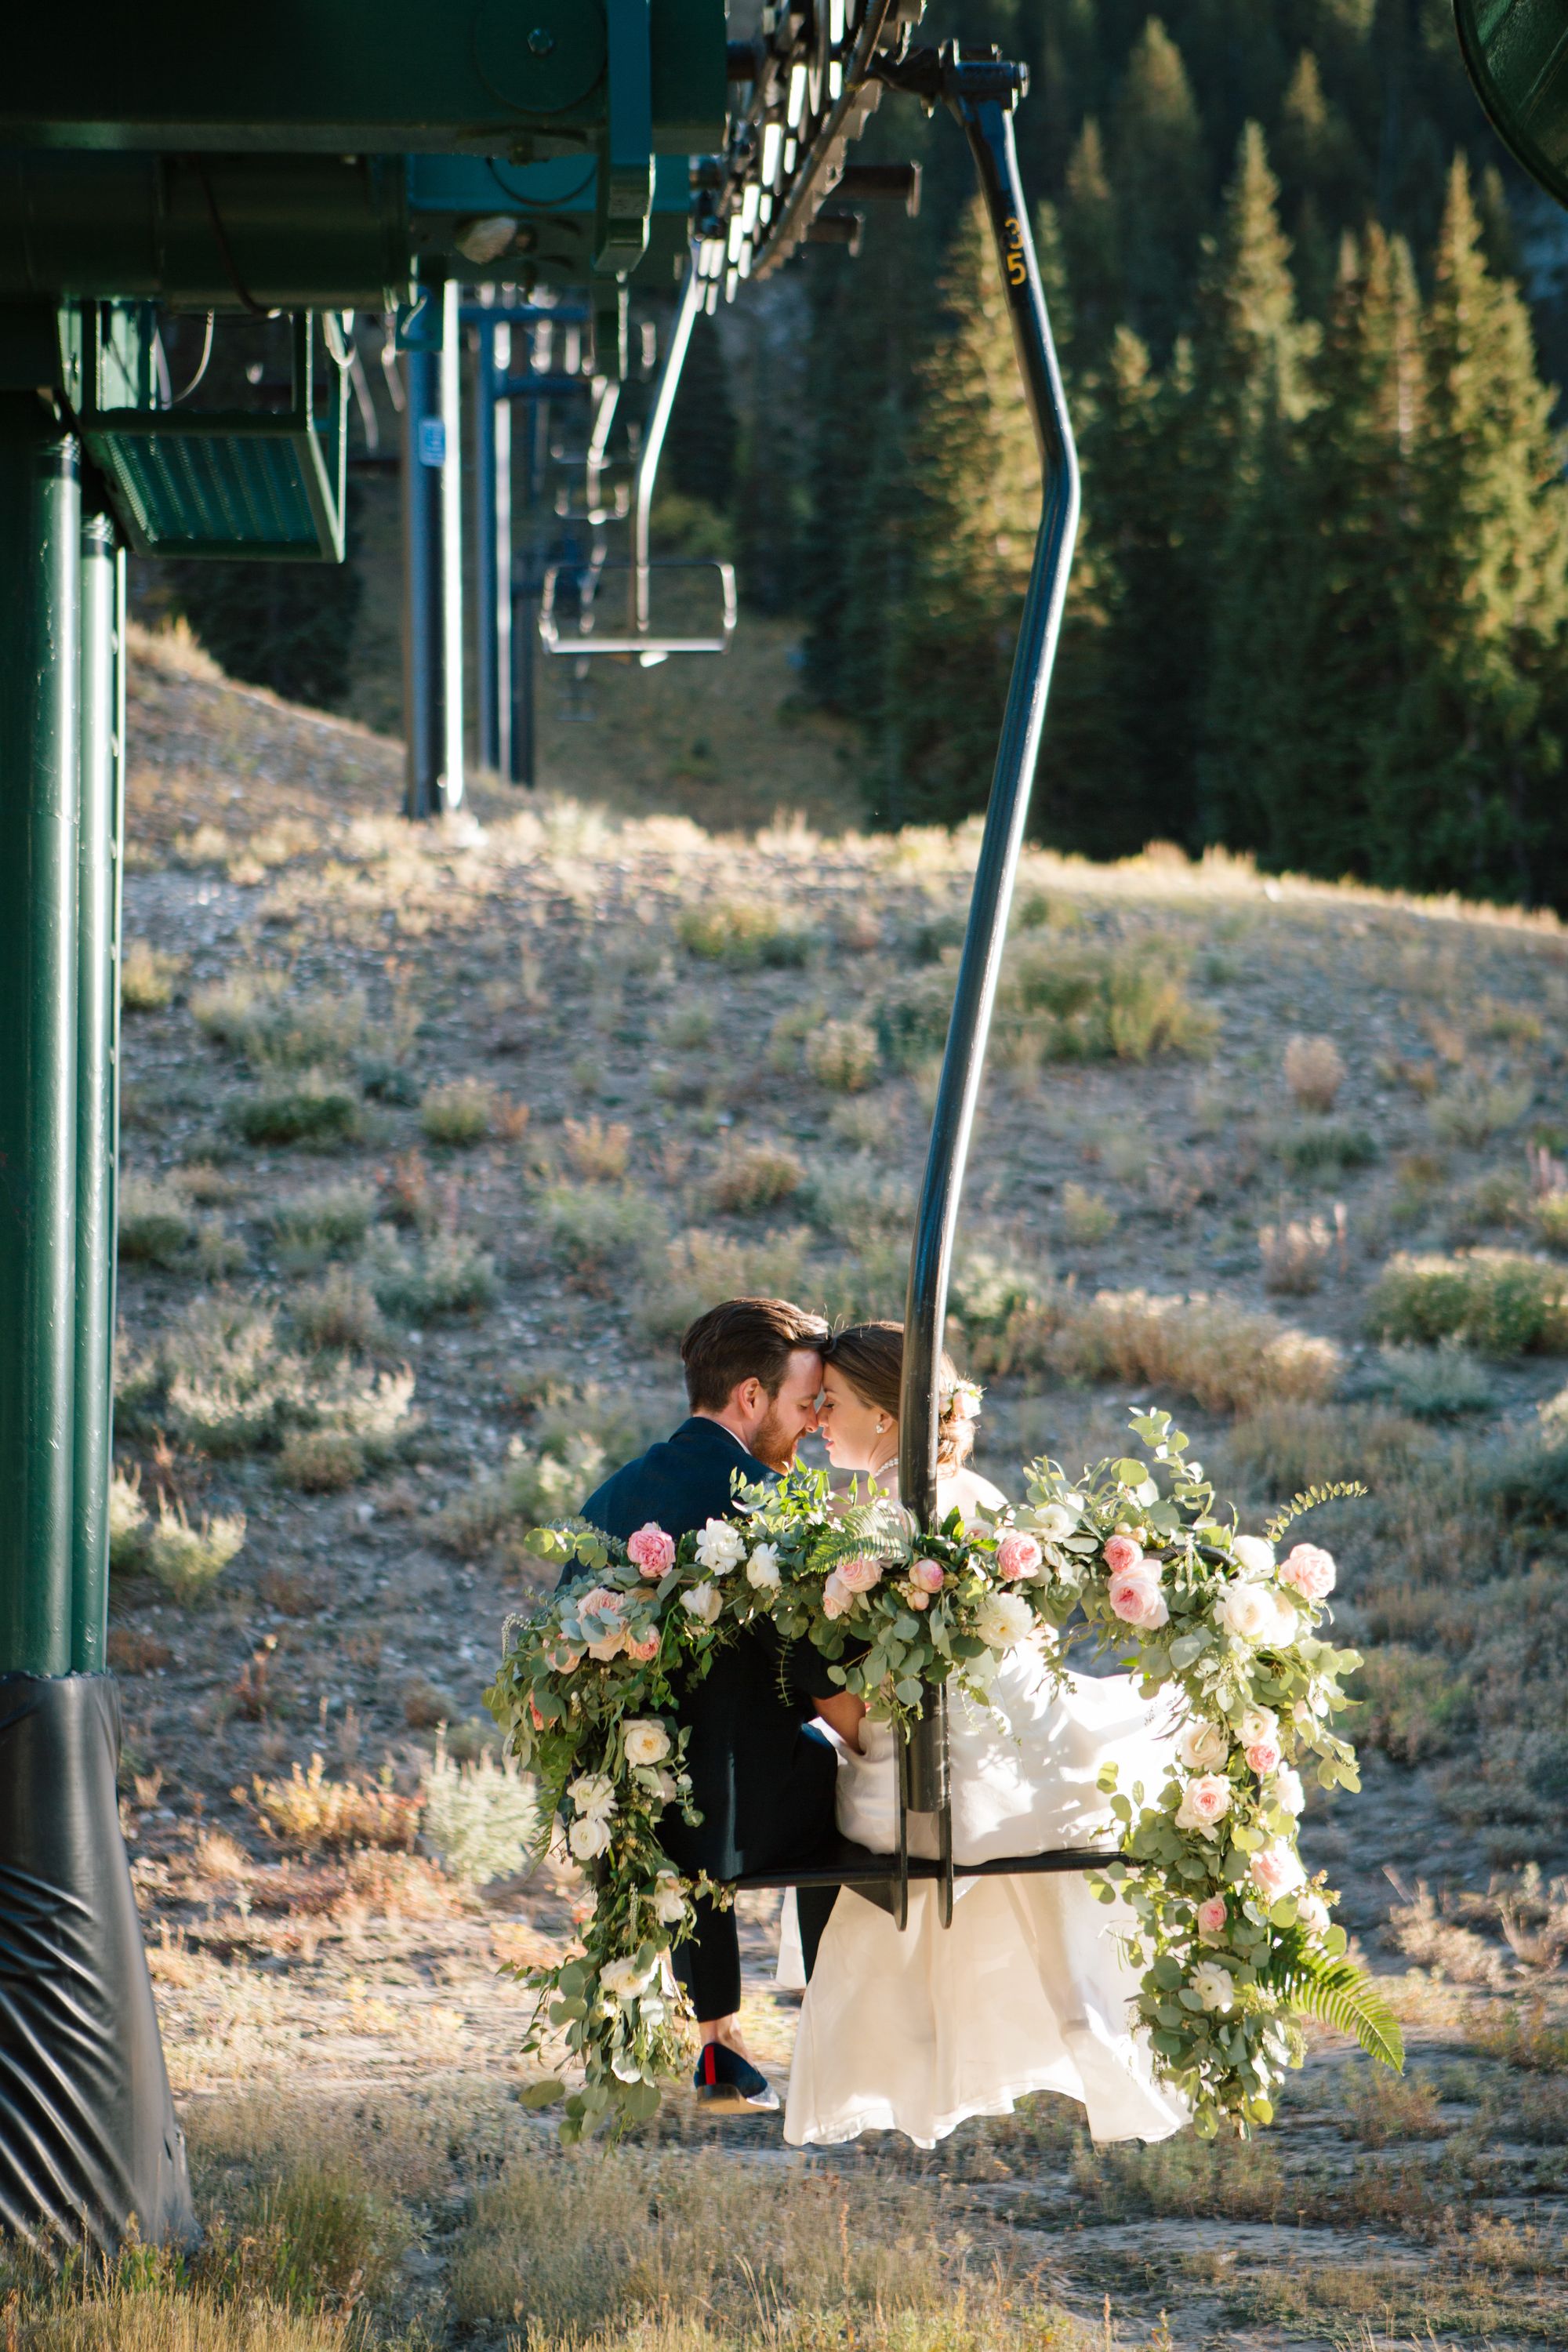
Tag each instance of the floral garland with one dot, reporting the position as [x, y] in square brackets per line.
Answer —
[1233, 1940]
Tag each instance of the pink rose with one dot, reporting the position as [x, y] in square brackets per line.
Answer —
[860, 1573]
[1206, 1801]
[1212, 1918]
[564, 1660]
[1276, 1870]
[1135, 1596]
[1122, 1554]
[1017, 1556]
[837, 1596]
[1311, 1569]
[1263, 1758]
[926, 1575]
[652, 1551]
[918, 1600]
[644, 1649]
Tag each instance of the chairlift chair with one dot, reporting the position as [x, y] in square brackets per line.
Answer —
[641, 641]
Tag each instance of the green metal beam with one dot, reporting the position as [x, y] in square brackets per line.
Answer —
[40, 520]
[99, 838]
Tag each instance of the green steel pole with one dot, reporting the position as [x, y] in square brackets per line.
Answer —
[98, 1021]
[40, 521]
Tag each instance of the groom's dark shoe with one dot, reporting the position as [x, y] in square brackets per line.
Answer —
[728, 2085]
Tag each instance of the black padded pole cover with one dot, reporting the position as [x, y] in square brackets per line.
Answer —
[88, 2136]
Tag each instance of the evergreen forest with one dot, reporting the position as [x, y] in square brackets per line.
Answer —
[1320, 610]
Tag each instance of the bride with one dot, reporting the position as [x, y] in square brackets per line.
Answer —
[915, 2031]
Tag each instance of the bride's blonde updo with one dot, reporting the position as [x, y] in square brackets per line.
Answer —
[871, 1358]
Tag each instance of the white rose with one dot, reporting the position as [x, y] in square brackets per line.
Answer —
[664, 1786]
[1053, 1522]
[592, 1793]
[721, 1547]
[1288, 1788]
[1204, 1803]
[624, 1979]
[763, 1567]
[1213, 1986]
[1248, 1611]
[1002, 1620]
[669, 1902]
[1258, 1723]
[1286, 1619]
[1202, 1747]
[1312, 1912]
[1256, 1555]
[646, 1742]
[588, 1836]
[702, 1601]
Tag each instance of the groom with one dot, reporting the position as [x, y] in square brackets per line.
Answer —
[762, 1778]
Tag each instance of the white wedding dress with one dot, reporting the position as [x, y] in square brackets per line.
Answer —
[1026, 1991]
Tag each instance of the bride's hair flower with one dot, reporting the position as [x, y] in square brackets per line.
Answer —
[721, 1547]
[1202, 1747]
[1213, 1918]
[763, 1567]
[1310, 1571]
[1206, 1801]
[1255, 1554]
[1002, 1620]
[1134, 1593]
[1017, 1556]
[651, 1551]
[961, 1401]
[1214, 1986]
[927, 1575]
[1122, 1553]
[644, 1739]
[860, 1573]
[1277, 1871]
[702, 1601]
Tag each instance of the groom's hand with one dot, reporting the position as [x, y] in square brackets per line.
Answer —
[843, 1715]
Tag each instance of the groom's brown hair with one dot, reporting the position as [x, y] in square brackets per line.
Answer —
[743, 1340]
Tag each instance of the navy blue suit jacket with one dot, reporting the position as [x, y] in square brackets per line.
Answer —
[750, 1712]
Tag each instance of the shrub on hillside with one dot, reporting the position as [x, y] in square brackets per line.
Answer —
[1322, 1143]
[1223, 1356]
[127, 1519]
[596, 1152]
[218, 1378]
[1313, 1072]
[147, 976]
[461, 1113]
[1474, 1108]
[320, 1461]
[340, 1311]
[442, 1273]
[187, 1561]
[1084, 1000]
[698, 1267]
[479, 1820]
[261, 1015]
[315, 1108]
[753, 1176]
[1499, 1302]
[311, 1814]
[842, 1056]
[321, 1221]
[1434, 1384]
[156, 1227]
[594, 1231]
[742, 933]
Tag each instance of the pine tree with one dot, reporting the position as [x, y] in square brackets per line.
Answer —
[1161, 181]
[1092, 243]
[1323, 178]
[1472, 795]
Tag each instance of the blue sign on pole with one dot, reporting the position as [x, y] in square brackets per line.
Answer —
[432, 441]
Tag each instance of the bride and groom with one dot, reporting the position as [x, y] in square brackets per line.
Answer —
[914, 2030]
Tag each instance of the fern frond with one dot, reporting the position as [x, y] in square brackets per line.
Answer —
[1334, 1490]
[1340, 1995]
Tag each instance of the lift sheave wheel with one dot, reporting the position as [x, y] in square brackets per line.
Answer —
[1516, 53]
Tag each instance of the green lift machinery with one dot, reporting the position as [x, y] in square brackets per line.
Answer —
[268, 173]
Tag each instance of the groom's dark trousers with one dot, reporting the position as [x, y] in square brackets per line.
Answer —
[762, 1778]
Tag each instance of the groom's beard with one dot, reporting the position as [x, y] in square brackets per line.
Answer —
[772, 1447]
